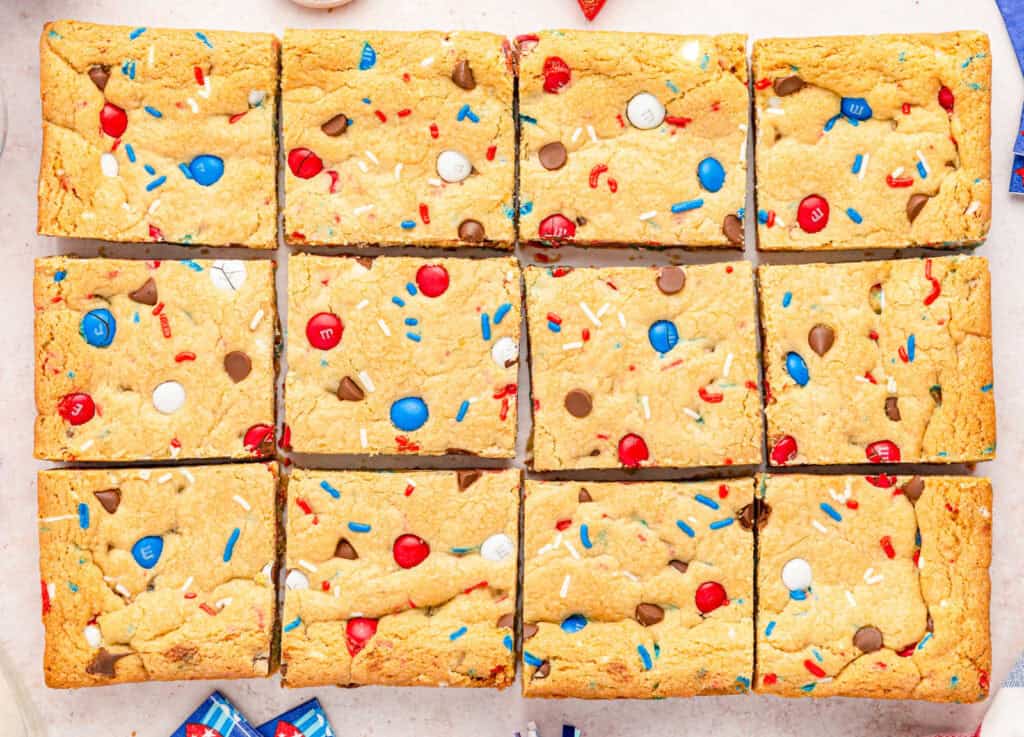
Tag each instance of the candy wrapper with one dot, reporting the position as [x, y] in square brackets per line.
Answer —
[215, 717]
[305, 720]
[568, 730]
[1003, 718]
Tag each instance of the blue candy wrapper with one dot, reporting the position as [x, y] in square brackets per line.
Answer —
[1017, 175]
[1018, 144]
[1013, 17]
[215, 717]
[305, 720]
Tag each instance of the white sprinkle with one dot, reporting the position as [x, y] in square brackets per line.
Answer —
[256, 319]
[193, 104]
[983, 511]
[367, 381]
[589, 314]
[897, 172]
[565, 587]
[544, 550]
[361, 209]
[862, 379]
[972, 208]
[144, 475]
[690, 413]
[427, 62]
[778, 221]
[691, 50]
[869, 576]
[646, 405]
[87, 444]
[398, 171]
[242, 503]
[604, 308]
[409, 482]
[307, 565]
[362, 304]
[863, 166]
[576, 134]
[924, 163]
[622, 320]
[727, 366]
[732, 633]
[384, 327]
[572, 346]
[592, 133]
[88, 216]
[221, 603]
[152, 55]
[123, 591]
[188, 582]
[743, 145]
[58, 519]
[164, 478]
[108, 164]
[51, 590]
[435, 182]
[819, 527]
[890, 384]
[558, 539]
[920, 562]
[371, 157]
[774, 110]
[849, 598]
[175, 451]
[153, 206]
[571, 549]
[630, 576]
[649, 215]
[362, 165]
[362, 437]
[205, 91]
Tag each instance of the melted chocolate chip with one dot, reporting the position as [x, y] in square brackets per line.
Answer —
[732, 228]
[100, 75]
[146, 294]
[542, 671]
[648, 614]
[930, 624]
[109, 499]
[584, 496]
[892, 408]
[671, 279]
[466, 477]
[237, 365]
[345, 550]
[103, 663]
[529, 630]
[914, 488]
[578, 403]
[336, 125]
[756, 512]
[936, 392]
[679, 565]
[868, 639]
[875, 298]
[821, 338]
[350, 391]
[916, 203]
[553, 155]
[507, 620]
[471, 231]
[788, 85]
[462, 75]
[365, 261]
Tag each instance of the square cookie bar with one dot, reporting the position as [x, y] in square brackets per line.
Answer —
[642, 590]
[398, 138]
[402, 355]
[879, 361]
[633, 139]
[157, 574]
[401, 579]
[874, 587]
[158, 135]
[873, 141]
[144, 360]
[641, 366]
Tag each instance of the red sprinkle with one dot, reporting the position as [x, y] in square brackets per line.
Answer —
[907, 651]
[898, 181]
[285, 443]
[595, 174]
[762, 84]
[679, 121]
[503, 415]
[190, 595]
[882, 481]
[561, 271]
[474, 587]
[586, 334]
[770, 679]
[381, 116]
[236, 117]
[404, 113]
[326, 585]
[409, 489]
[903, 354]
[155, 233]
[552, 317]
[424, 214]
[199, 76]
[906, 108]
[491, 151]
[185, 356]
[304, 505]
[723, 491]
[434, 133]
[873, 335]
[710, 397]
[770, 219]
[936, 287]
[852, 504]
[869, 377]
[613, 185]
[334, 181]
[814, 668]
[46, 597]
[208, 609]
[563, 524]
[165, 325]
[886, 543]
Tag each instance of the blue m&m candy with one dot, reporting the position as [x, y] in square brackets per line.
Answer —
[574, 623]
[409, 413]
[796, 367]
[98, 327]
[855, 108]
[147, 551]
[711, 174]
[663, 336]
[206, 169]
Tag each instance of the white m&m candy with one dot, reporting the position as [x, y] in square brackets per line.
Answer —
[296, 580]
[453, 166]
[796, 575]
[228, 274]
[505, 352]
[645, 111]
[169, 397]
[497, 547]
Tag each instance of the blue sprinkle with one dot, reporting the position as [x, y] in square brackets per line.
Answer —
[987, 388]
[83, 516]
[415, 337]
[194, 265]
[60, 274]
[461, 551]
[704, 62]
[921, 170]
[229, 549]
[463, 409]
[585, 536]
[463, 111]
[744, 681]
[769, 629]
[184, 170]
[719, 524]
[130, 151]
[368, 57]
[917, 538]
[398, 301]
[485, 325]
[924, 640]
[457, 633]
[293, 624]
[54, 34]
[688, 205]
[507, 642]
[645, 657]
[911, 347]
[411, 289]
[408, 224]
[831, 123]
[153, 111]
[953, 681]
[411, 321]
[858, 162]
[787, 298]
[573, 623]
[854, 215]
[798, 595]
[366, 100]
[706, 501]
[358, 527]
[467, 112]
[817, 655]
[135, 317]
[527, 119]
[499, 314]
[202, 37]
[554, 327]
[526, 208]
[149, 169]
[330, 489]
[73, 587]
[532, 659]
[685, 528]
[672, 86]
[807, 688]
[831, 512]
[136, 33]
[155, 183]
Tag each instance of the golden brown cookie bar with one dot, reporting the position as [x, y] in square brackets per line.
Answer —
[398, 138]
[641, 590]
[874, 586]
[404, 579]
[403, 355]
[157, 574]
[154, 359]
[158, 135]
[873, 141]
[880, 361]
[629, 138]
[644, 366]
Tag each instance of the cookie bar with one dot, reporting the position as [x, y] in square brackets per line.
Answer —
[631, 138]
[873, 141]
[875, 587]
[402, 355]
[402, 579]
[879, 361]
[640, 590]
[154, 359]
[398, 138]
[158, 135]
[157, 574]
[644, 366]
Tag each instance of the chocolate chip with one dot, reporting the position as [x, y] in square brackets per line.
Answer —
[915, 204]
[578, 403]
[529, 630]
[936, 392]
[913, 489]
[542, 670]
[648, 614]
[821, 338]
[365, 261]
[507, 620]
[732, 227]
[146, 294]
[471, 231]
[584, 496]
[345, 550]
[466, 477]
[462, 75]
[99, 74]
[109, 499]
[350, 391]
[930, 624]
[238, 365]
[336, 125]
[756, 512]
[553, 155]
[679, 565]
[103, 663]
[868, 639]
[671, 279]
[875, 298]
[788, 85]
[892, 408]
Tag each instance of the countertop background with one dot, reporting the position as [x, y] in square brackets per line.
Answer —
[154, 710]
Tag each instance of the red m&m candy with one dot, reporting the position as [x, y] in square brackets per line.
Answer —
[324, 330]
[358, 632]
[883, 451]
[946, 98]
[812, 214]
[556, 227]
[304, 163]
[432, 280]
[556, 74]
[259, 439]
[77, 408]
[633, 450]
[710, 595]
[113, 120]
[784, 450]
[410, 550]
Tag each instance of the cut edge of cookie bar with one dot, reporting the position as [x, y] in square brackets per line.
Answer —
[968, 105]
[83, 498]
[53, 190]
[952, 557]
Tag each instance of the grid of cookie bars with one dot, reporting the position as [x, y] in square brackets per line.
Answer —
[178, 541]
